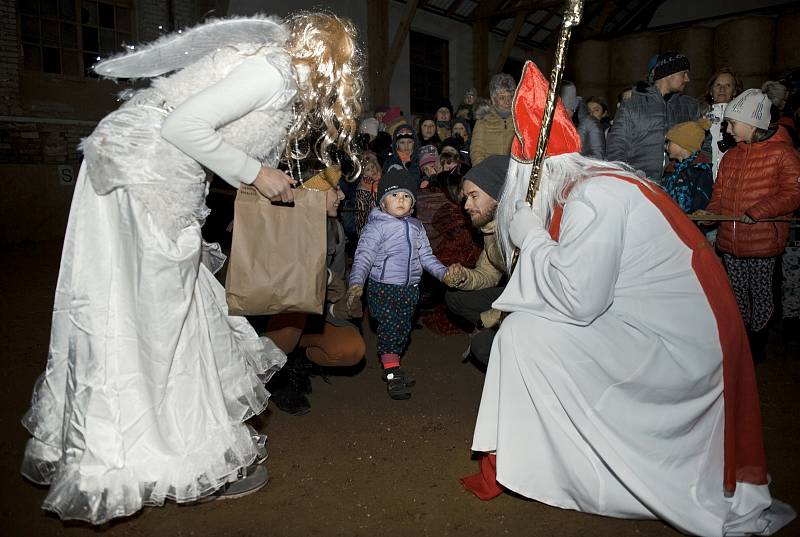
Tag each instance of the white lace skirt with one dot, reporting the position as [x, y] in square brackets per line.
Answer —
[148, 380]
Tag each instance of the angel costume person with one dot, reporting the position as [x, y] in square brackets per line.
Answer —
[148, 379]
[621, 384]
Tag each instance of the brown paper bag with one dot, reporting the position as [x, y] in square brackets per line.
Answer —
[278, 254]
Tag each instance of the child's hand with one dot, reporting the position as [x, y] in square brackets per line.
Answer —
[354, 293]
[454, 276]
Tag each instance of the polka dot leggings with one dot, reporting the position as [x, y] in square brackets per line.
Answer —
[751, 279]
[393, 307]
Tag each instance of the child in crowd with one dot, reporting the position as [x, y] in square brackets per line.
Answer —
[428, 165]
[444, 119]
[367, 188]
[757, 180]
[404, 154]
[688, 179]
[392, 252]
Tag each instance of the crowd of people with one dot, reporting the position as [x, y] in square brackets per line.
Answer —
[677, 141]
[149, 380]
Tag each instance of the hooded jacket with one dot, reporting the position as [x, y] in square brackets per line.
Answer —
[394, 160]
[762, 180]
[395, 251]
[593, 139]
[492, 136]
[637, 135]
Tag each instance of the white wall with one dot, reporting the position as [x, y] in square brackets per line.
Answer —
[459, 36]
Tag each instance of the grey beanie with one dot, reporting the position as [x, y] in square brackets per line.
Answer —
[751, 107]
[490, 174]
[397, 179]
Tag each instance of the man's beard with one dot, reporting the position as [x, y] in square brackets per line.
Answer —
[481, 220]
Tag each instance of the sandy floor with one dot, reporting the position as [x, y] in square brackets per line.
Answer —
[359, 463]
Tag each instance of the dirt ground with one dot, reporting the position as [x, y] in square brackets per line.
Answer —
[359, 463]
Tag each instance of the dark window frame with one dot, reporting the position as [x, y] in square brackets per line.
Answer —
[64, 38]
[429, 65]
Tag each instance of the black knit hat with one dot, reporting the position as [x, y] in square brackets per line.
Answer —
[489, 175]
[397, 179]
[669, 63]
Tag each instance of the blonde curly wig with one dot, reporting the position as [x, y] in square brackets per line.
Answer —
[328, 64]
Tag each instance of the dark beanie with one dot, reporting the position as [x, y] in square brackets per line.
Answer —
[669, 63]
[397, 179]
[489, 175]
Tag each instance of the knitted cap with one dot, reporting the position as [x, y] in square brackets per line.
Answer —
[689, 135]
[397, 179]
[669, 63]
[428, 159]
[751, 107]
[490, 174]
[392, 113]
[324, 180]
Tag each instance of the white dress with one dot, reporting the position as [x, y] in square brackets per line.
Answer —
[148, 379]
[604, 391]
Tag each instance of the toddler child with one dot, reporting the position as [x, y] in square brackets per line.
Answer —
[392, 252]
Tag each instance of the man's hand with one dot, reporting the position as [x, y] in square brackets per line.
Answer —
[747, 219]
[524, 219]
[274, 184]
[354, 293]
[454, 275]
[703, 212]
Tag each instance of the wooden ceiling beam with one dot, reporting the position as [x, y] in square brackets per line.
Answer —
[485, 10]
[525, 6]
[400, 36]
[511, 38]
[453, 8]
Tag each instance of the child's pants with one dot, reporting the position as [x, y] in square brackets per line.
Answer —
[751, 279]
[393, 307]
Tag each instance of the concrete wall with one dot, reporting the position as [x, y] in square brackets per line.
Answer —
[459, 36]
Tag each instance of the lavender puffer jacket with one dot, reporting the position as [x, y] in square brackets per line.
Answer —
[394, 250]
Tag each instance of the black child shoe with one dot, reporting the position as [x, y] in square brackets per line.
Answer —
[398, 383]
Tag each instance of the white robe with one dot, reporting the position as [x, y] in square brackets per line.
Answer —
[604, 391]
[148, 380]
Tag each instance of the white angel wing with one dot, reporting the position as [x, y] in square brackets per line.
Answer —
[179, 49]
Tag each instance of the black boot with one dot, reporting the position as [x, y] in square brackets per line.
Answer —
[291, 384]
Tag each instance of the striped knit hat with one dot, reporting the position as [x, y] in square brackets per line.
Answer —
[751, 107]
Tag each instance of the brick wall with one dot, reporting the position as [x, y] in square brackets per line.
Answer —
[43, 126]
[9, 58]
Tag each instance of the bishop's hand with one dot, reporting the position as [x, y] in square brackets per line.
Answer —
[524, 220]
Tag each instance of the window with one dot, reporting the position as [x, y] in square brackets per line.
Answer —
[430, 72]
[66, 36]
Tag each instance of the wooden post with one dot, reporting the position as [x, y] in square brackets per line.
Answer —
[480, 56]
[511, 38]
[377, 47]
[400, 37]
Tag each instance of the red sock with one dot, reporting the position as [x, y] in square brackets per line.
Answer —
[390, 360]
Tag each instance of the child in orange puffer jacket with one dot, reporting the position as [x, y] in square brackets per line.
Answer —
[759, 179]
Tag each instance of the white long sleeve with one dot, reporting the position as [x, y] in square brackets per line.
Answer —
[571, 280]
[192, 126]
